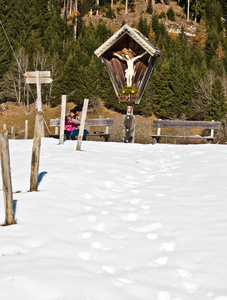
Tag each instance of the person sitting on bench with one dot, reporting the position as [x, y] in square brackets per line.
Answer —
[70, 125]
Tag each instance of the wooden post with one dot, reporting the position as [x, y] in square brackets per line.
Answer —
[13, 132]
[83, 118]
[129, 125]
[62, 122]
[38, 88]
[36, 152]
[26, 130]
[6, 178]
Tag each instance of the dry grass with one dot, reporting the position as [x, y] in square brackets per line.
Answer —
[13, 115]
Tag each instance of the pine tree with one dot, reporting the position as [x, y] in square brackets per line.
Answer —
[162, 97]
[149, 9]
[201, 36]
[179, 86]
[217, 106]
[143, 26]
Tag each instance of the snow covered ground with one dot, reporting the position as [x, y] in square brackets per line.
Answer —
[116, 222]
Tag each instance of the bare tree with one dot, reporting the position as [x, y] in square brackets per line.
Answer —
[13, 83]
[202, 94]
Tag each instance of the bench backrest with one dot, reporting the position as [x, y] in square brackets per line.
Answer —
[186, 124]
[90, 122]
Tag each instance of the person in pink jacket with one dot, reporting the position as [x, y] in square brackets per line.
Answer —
[70, 125]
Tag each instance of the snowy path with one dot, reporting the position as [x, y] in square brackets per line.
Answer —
[117, 222]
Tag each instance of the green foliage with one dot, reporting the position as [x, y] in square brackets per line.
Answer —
[162, 15]
[110, 13]
[217, 106]
[143, 26]
[213, 14]
[171, 14]
[149, 9]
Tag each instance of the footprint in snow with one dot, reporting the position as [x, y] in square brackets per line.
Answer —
[109, 269]
[184, 273]
[190, 287]
[152, 236]
[100, 227]
[150, 227]
[109, 184]
[169, 246]
[88, 208]
[91, 218]
[135, 201]
[131, 217]
[84, 256]
[86, 235]
[161, 261]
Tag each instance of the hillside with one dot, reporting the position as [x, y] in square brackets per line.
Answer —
[132, 18]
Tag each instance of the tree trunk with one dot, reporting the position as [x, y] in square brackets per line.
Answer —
[97, 11]
[188, 10]
[75, 24]
[126, 7]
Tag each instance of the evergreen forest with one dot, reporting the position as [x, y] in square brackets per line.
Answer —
[189, 80]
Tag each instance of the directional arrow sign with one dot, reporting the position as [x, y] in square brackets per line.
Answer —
[41, 80]
[41, 74]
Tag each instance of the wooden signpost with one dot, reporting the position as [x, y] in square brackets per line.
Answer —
[37, 77]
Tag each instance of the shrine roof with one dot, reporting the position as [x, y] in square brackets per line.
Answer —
[135, 35]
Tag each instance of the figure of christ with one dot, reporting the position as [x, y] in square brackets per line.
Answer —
[130, 60]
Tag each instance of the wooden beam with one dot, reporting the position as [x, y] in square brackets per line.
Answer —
[42, 74]
[32, 80]
[186, 124]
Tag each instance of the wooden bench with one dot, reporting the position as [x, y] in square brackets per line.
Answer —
[101, 122]
[185, 124]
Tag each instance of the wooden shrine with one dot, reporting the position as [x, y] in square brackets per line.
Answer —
[129, 58]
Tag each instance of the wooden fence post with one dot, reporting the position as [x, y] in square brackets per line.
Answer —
[36, 152]
[26, 130]
[13, 133]
[62, 122]
[82, 123]
[6, 178]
